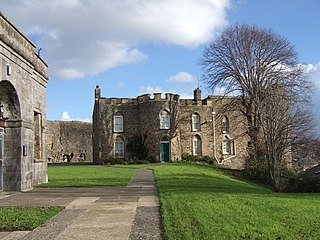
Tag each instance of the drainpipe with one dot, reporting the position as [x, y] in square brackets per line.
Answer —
[214, 135]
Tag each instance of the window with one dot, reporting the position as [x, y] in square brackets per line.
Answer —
[228, 147]
[37, 140]
[164, 120]
[119, 148]
[195, 122]
[225, 125]
[196, 145]
[118, 122]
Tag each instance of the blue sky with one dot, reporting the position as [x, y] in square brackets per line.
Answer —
[145, 46]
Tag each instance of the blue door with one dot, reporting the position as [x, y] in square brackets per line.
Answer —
[165, 152]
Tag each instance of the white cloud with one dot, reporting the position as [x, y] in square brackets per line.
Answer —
[183, 77]
[65, 117]
[81, 37]
[313, 71]
[150, 90]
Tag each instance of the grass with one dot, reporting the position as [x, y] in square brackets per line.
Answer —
[200, 202]
[25, 218]
[136, 166]
[86, 176]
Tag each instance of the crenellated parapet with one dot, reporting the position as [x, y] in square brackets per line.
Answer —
[144, 98]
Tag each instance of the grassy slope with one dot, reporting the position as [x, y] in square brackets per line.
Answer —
[87, 176]
[199, 202]
[25, 218]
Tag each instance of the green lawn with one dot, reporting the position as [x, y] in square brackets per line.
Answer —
[200, 202]
[25, 218]
[135, 166]
[87, 176]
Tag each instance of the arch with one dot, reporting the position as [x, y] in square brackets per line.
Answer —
[164, 117]
[118, 122]
[9, 100]
[165, 139]
[196, 122]
[225, 124]
[196, 145]
[11, 138]
[119, 147]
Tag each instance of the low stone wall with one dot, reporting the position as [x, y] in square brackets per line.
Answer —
[69, 140]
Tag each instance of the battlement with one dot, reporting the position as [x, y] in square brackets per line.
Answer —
[144, 98]
[160, 97]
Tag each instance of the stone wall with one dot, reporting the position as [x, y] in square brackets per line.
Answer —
[23, 82]
[72, 138]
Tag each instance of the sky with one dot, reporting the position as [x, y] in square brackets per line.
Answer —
[132, 47]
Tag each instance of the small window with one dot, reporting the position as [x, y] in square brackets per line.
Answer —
[118, 122]
[119, 148]
[164, 120]
[225, 124]
[228, 147]
[195, 122]
[196, 142]
[37, 140]
[8, 68]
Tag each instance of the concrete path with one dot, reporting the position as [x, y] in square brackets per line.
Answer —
[130, 212]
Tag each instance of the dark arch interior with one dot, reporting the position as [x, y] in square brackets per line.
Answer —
[10, 101]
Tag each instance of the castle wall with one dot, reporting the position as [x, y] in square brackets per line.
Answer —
[71, 138]
[142, 117]
[23, 82]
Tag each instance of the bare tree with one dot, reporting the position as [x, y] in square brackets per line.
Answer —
[262, 68]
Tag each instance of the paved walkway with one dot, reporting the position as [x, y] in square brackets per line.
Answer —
[130, 212]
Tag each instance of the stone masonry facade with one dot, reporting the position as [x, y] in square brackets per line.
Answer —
[170, 127]
[69, 139]
[23, 82]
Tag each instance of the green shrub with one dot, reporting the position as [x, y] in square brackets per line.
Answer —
[257, 170]
[187, 157]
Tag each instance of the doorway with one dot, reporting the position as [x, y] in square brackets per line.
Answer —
[165, 149]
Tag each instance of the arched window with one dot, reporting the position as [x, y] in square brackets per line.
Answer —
[118, 122]
[164, 119]
[119, 148]
[195, 122]
[196, 145]
[225, 124]
[228, 146]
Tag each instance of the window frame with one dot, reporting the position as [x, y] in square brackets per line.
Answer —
[228, 147]
[225, 125]
[196, 145]
[118, 125]
[164, 120]
[196, 126]
[119, 152]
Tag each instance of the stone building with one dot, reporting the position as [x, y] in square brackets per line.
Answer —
[23, 82]
[169, 128]
[71, 140]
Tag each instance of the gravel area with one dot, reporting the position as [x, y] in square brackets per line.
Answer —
[147, 224]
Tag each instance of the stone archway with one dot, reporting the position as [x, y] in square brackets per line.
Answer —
[11, 138]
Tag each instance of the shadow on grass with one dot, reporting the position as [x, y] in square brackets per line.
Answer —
[188, 179]
[182, 183]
